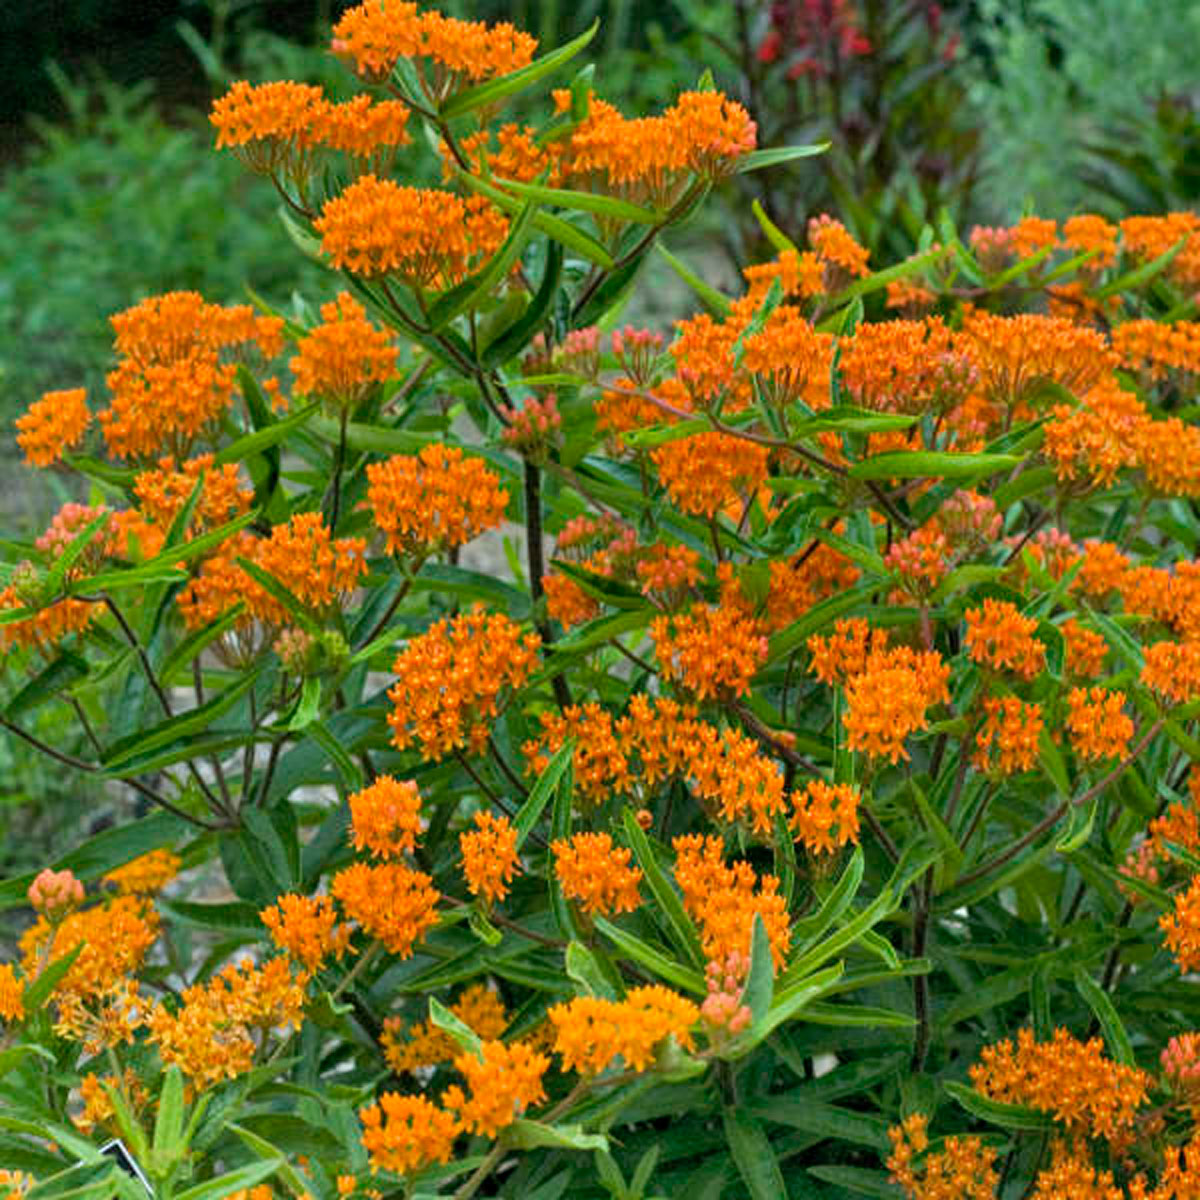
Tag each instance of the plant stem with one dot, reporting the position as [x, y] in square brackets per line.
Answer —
[368, 956]
[537, 568]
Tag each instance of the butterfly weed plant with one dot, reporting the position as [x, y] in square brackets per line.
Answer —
[808, 811]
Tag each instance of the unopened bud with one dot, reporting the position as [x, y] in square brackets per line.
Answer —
[54, 894]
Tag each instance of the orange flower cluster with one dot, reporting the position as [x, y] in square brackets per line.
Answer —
[1008, 741]
[801, 276]
[378, 33]
[596, 874]
[799, 583]
[53, 425]
[44, 629]
[912, 367]
[429, 238]
[1154, 348]
[1099, 438]
[650, 160]
[889, 700]
[1088, 232]
[711, 473]
[425, 1045]
[1070, 1079]
[844, 653]
[1148, 238]
[1072, 1173]
[407, 1133]
[211, 1037]
[998, 636]
[1168, 453]
[818, 809]
[713, 651]
[704, 362]
[503, 1081]
[1181, 926]
[450, 679]
[724, 901]
[317, 569]
[592, 1033]
[963, 1169]
[145, 875]
[1016, 355]
[12, 993]
[162, 493]
[340, 359]
[1098, 725]
[97, 1104]
[170, 383]
[1172, 669]
[667, 573]
[490, 858]
[517, 156]
[306, 927]
[791, 359]
[385, 817]
[434, 500]
[391, 902]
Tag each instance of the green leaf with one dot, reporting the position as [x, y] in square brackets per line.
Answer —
[53, 583]
[860, 1016]
[1142, 275]
[668, 906]
[751, 1150]
[233, 1181]
[266, 1150]
[806, 930]
[539, 795]
[516, 81]
[460, 1032]
[585, 969]
[57, 676]
[714, 301]
[262, 439]
[38, 990]
[760, 981]
[477, 288]
[771, 231]
[1079, 828]
[521, 332]
[347, 769]
[926, 464]
[757, 160]
[283, 594]
[195, 643]
[11, 1058]
[1097, 999]
[44, 1130]
[654, 960]
[846, 418]
[819, 617]
[1009, 1116]
[308, 706]
[589, 202]
[788, 1002]
[858, 1181]
[524, 1134]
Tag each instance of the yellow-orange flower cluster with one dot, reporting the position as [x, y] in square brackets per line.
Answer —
[163, 491]
[434, 500]
[1181, 927]
[450, 679]
[390, 901]
[1072, 1080]
[998, 636]
[503, 1081]
[425, 1045]
[724, 901]
[385, 817]
[1173, 670]
[1098, 725]
[909, 367]
[52, 425]
[407, 1133]
[146, 874]
[12, 994]
[340, 359]
[306, 927]
[714, 651]
[825, 816]
[1008, 740]
[963, 1169]
[170, 383]
[592, 1033]
[710, 473]
[596, 874]
[489, 853]
[429, 238]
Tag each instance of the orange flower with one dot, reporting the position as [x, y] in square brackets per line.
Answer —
[390, 901]
[801, 276]
[434, 500]
[710, 473]
[45, 628]
[429, 238]
[799, 583]
[1090, 232]
[1011, 728]
[1071, 1080]
[844, 257]
[12, 992]
[818, 808]
[723, 900]
[791, 359]
[1097, 439]
[170, 384]
[271, 125]
[425, 1045]
[844, 653]
[306, 928]
[1154, 348]
[341, 358]
[963, 1169]
[998, 636]
[503, 1082]
[1181, 927]
[1148, 238]
[163, 492]
[1086, 650]
[1098, 724]
[368, 131]
[591, 870]
[667, 573]
[146, 874]
[407, 1133]
[713, 650]
[1169, 454]
[385, 818]
[450, 679]
[490, 857]
[909, 367]
[317, 569]
[591, 1033]
[1173, 670]
[377, 33]
[54, 424]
